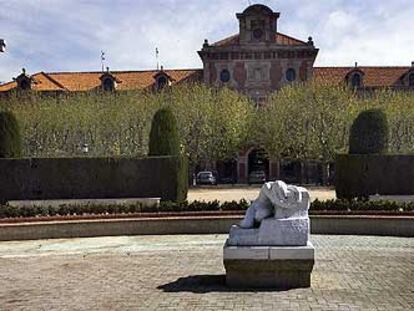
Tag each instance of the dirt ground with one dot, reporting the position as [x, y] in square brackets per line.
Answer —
[236, 193]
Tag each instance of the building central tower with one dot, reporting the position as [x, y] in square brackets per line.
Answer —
[258, 60]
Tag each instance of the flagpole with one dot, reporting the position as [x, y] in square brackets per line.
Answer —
[102, 60]
[157, 52]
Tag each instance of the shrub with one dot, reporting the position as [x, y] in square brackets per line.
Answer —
[164, 135]
[164, 141]
[10, 140]
[369, 133]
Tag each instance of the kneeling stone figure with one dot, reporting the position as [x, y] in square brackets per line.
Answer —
[278, 217]
[270, 247]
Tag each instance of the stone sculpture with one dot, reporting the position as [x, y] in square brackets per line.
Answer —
[278, 217]
[270, 248]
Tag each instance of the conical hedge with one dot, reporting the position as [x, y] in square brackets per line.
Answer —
[164, 134]
[10, 139]
[369, 133]
[164, 141]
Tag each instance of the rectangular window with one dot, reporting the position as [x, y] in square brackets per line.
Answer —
[224, 55]
[235, 55]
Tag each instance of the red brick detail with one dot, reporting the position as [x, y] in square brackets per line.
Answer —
[275, 75]
[240, 74]
[213, 73]
[303, 71]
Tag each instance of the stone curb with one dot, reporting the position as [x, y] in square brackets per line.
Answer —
[334, 225]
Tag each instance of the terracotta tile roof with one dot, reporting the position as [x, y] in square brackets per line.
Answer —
[7, 86]
[44, 82]
[84, 81]
[138, 80]
[373, 76]
[280, 38]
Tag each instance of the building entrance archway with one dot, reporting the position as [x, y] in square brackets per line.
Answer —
[258, 163]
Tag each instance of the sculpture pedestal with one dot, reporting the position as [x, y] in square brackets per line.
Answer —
[269, 266]
[272, 232]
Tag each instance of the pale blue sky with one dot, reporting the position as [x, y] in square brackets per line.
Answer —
[68, 35]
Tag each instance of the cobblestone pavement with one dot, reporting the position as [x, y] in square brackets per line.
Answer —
[249, 193]
[186, 273]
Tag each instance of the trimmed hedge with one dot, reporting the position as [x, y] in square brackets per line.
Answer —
[359, 175]
[10, 139]
[7, 211]
[369, 133]
[86, 178]
[164, 141]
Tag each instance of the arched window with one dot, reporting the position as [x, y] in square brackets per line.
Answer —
[108, 85]
[291, 75]
[225, 76]
[356, 80]
[411, 80]
[24, 84]
[162, 82]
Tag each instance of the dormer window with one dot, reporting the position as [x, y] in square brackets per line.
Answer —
[411, 80]
[109, 81]
[162, 81]
[356, 80]
[108, 85]
[24, 82]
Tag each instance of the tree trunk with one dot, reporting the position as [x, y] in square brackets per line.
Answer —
[325, 173]
[302, 172]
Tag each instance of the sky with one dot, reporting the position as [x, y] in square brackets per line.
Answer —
[68, 35]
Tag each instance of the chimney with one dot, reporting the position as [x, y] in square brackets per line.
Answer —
[412, 64]
[356, 64]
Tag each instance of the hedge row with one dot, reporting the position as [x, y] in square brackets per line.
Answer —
[340, 206]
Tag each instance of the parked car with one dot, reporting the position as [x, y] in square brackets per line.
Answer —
[206, 178]
[228, 180]
[257, 177]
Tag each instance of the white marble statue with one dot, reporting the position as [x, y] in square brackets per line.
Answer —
[279, 216]
[273, 196]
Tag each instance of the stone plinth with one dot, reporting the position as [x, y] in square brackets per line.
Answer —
[276, 267]
[272, 232]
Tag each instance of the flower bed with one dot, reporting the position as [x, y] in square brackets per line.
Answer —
[170, 209]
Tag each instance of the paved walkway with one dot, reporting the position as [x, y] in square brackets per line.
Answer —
[186, 273]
